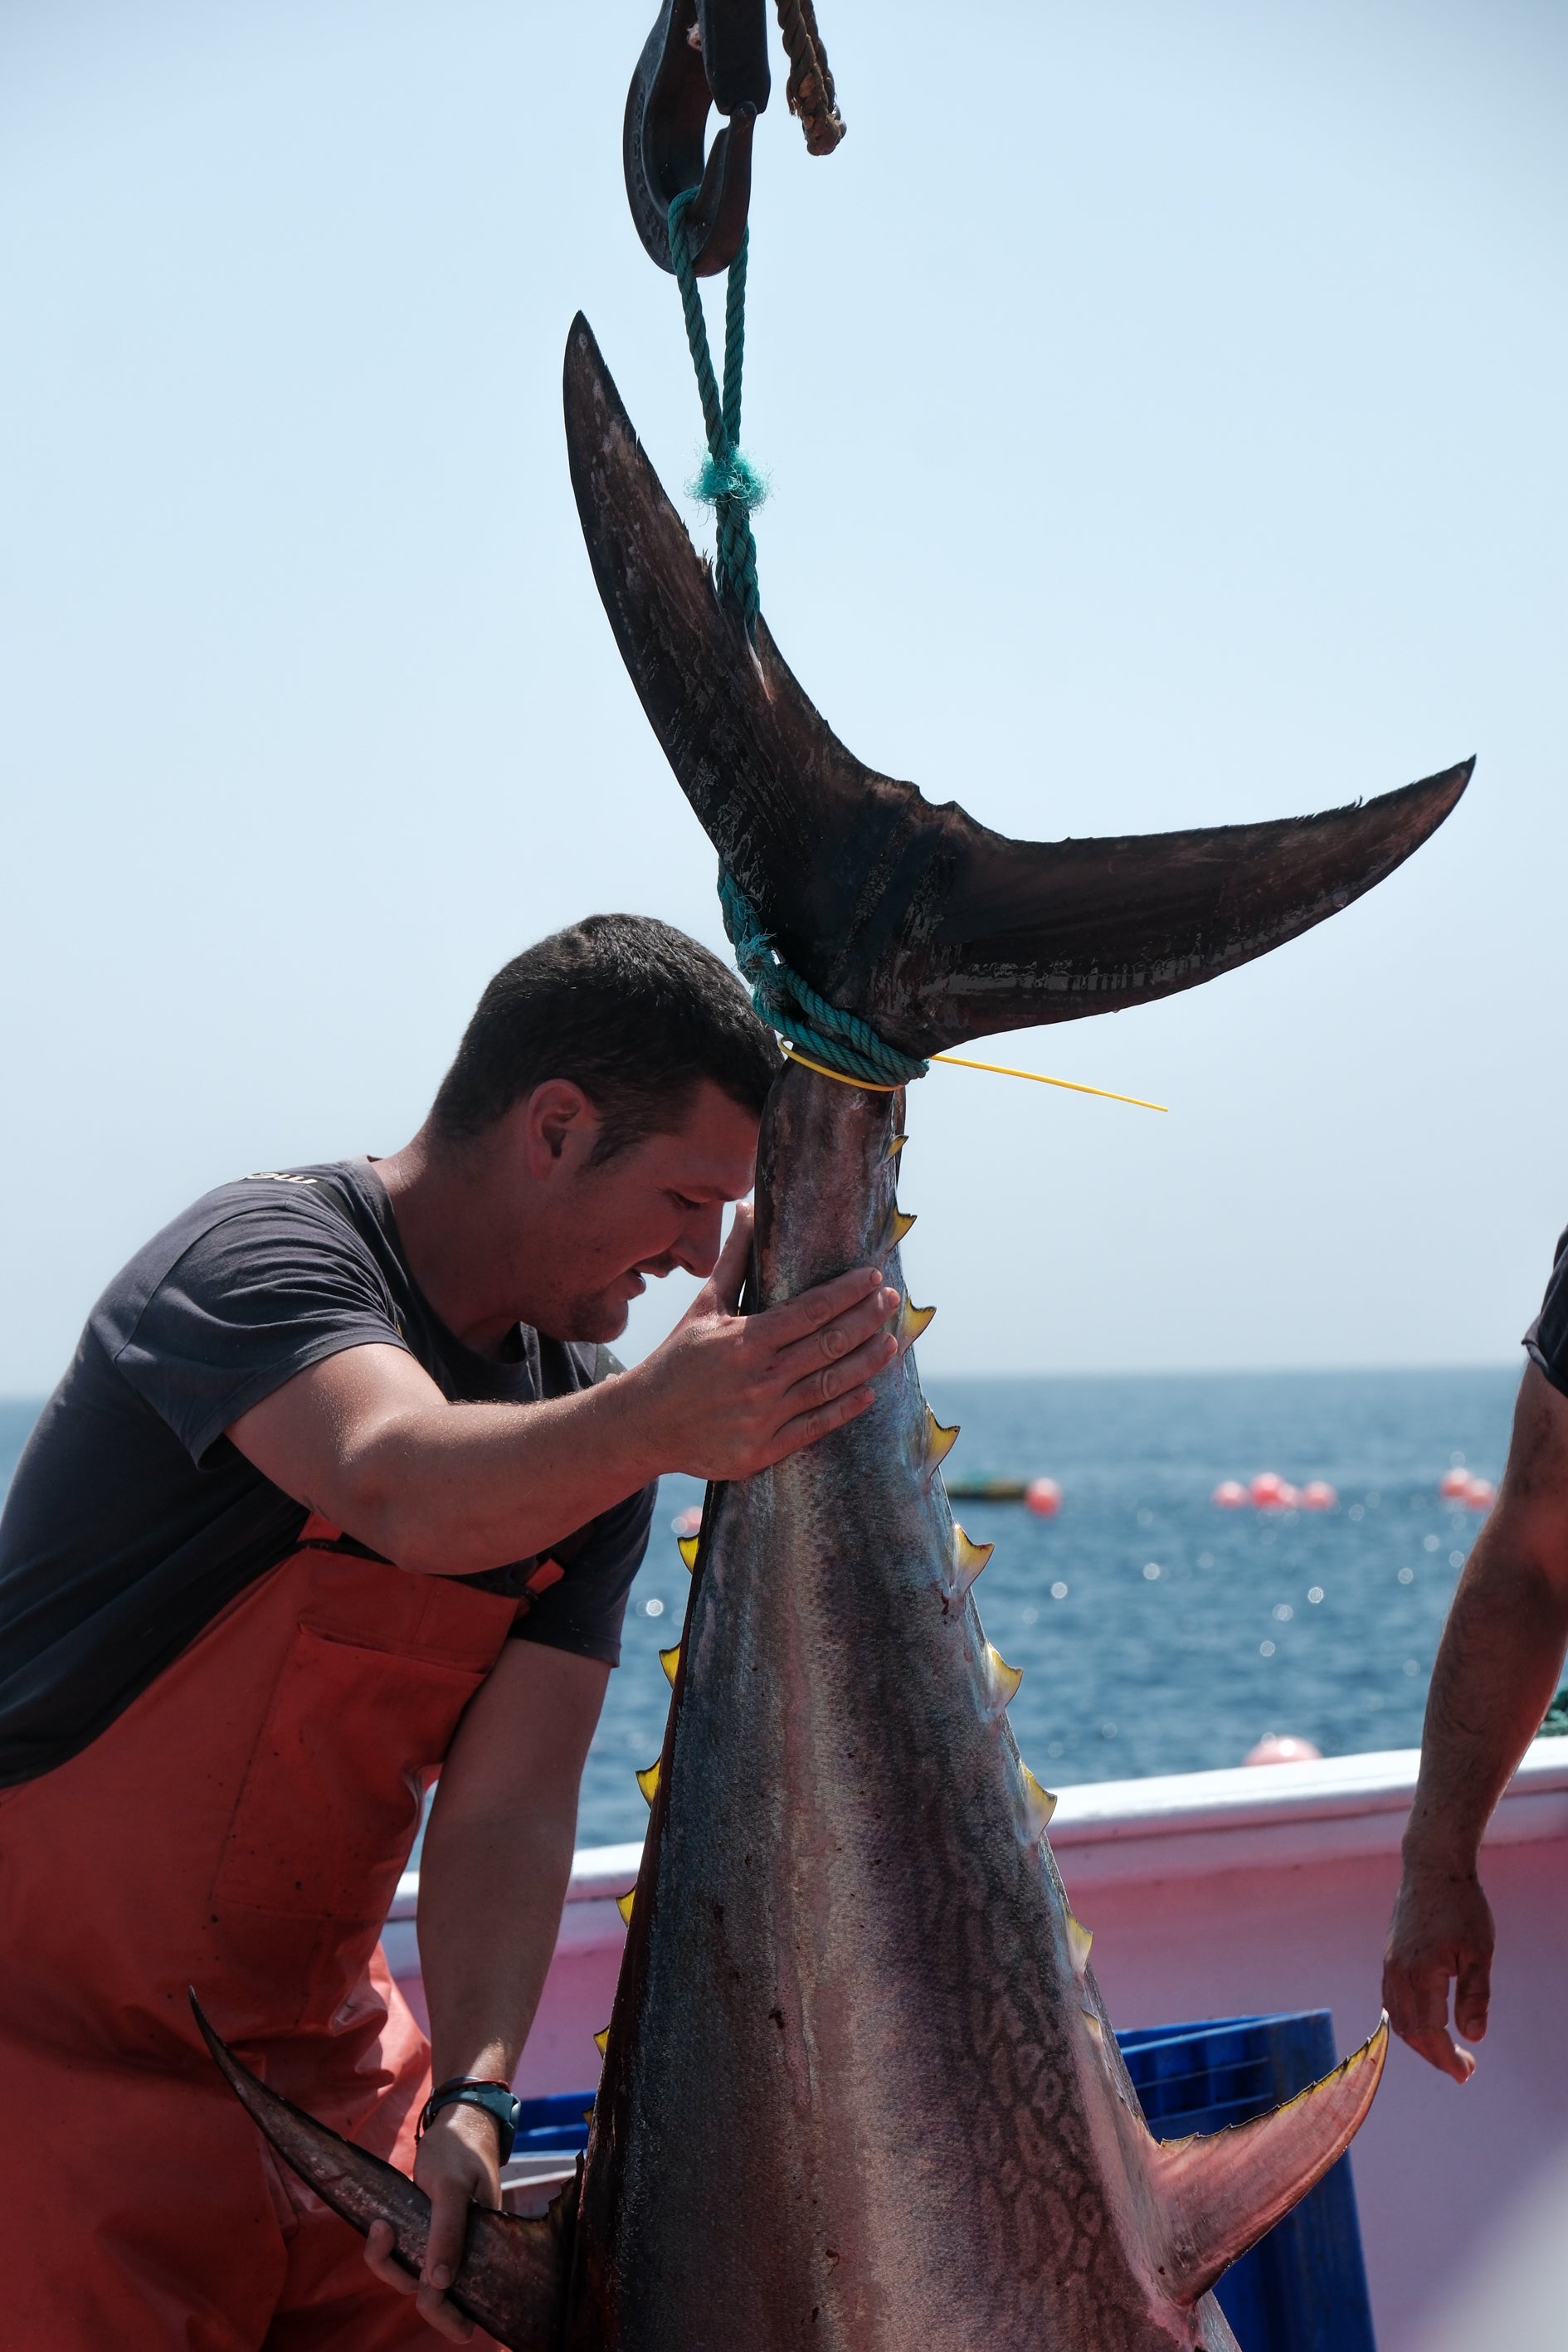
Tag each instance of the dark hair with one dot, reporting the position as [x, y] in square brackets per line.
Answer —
[633, 1013]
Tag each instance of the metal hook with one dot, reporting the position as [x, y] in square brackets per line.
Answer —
[700, 53]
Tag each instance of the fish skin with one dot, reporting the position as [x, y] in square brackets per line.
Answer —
[853, 2098]
[510, 2279]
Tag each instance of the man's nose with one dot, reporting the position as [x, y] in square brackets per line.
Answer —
[701, 1235]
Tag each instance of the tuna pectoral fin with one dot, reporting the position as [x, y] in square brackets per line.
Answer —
[512, 2275]
[1221, 2192]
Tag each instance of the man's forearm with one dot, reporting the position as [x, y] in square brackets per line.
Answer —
[490, 1893]
[456, 1489]
[1494, 1677]
[368, 1439]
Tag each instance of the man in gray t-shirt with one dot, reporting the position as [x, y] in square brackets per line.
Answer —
[342, 1492]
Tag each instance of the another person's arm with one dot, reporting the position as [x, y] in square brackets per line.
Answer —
[492, 1879]
[1496, 1673]
[368, 1440]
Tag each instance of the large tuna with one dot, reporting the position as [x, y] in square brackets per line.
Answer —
[861, 2092]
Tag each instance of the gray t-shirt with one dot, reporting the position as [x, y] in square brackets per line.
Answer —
[131, 1519]
[1547, 1338]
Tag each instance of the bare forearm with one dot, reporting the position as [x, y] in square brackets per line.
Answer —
[491, 1891]
[1495, 1675]
[456, 1489]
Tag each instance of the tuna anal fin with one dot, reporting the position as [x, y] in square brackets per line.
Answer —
[514, 2272]
[1221, 2191]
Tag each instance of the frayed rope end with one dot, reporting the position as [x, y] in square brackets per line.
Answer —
[733, 480]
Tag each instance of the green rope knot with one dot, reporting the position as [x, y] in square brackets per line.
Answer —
[791, 1005]
[728, 482]
[736, 478]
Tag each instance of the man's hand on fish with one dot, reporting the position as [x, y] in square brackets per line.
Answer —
[1495, 1675]
[730, 1394]
[456, 2166]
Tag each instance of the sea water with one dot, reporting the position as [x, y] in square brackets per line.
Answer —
[1157, 1632]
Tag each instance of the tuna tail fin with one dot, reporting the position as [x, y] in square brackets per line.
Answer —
[512, 2276]
[1222, 2191]
[913, 915]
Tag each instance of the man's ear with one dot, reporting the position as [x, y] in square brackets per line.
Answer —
[561, 1127]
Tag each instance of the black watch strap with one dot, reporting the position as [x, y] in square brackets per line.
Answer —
[463, 2091]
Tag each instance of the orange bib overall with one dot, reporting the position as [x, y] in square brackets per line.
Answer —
[240, 1828]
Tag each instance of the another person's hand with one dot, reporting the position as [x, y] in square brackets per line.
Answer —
[1442, 1933]
[727, 1394]
[457, 2164]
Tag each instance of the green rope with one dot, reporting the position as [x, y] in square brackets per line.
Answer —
[792, 1006]
[731, 485]
[728, 482]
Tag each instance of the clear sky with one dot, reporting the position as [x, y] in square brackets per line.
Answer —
[1164, 409]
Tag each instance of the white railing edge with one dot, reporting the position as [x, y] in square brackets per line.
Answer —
[1175, 1804]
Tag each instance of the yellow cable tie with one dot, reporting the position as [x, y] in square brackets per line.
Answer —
[1002, 1070]
[794, 1053]
[962, 1062]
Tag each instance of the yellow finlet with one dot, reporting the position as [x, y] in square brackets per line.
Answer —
[670, 1661]
[648, 1782]
[913, 1320]
[939, 1442]
[687, 1547]
[895, 1146]
[900, 1226]
[1039, 1804]
[624, 1906]
[968, 1559]
[1004, 1679]
[601, 2040]
[1078, 1941]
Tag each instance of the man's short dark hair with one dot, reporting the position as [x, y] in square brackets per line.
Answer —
[631, 1011]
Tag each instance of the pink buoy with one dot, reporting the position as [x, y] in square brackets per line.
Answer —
[687, 1522]
[1044, 1498]
[1317, 1495]
[1230, 1495]
[1479, 1494]
[1282, 1748]
[1454, 1485]
[1272, 1493]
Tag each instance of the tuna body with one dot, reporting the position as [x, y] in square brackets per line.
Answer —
[859, 2094]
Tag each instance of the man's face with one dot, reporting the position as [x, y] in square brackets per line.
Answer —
[655, 1206]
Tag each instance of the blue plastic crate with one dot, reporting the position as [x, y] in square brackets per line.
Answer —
[1303, 2288]
[555, 2124]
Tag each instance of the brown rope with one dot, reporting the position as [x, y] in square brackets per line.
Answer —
[810, 89]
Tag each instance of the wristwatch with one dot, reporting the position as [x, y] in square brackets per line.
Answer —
[498, 2099]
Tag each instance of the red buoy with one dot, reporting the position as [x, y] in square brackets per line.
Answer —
[1272, 1493]
[1317, 1495]
[1230, 1495]
[1454, 1486]
[1479, 1494]
[1282, 1748]
[1044, 1498]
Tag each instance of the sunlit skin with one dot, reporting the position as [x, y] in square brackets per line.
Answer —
[520, 1226]
[1495, 1676]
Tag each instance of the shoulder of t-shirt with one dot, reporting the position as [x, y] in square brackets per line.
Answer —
[1547, 1338]
[321, 1202]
